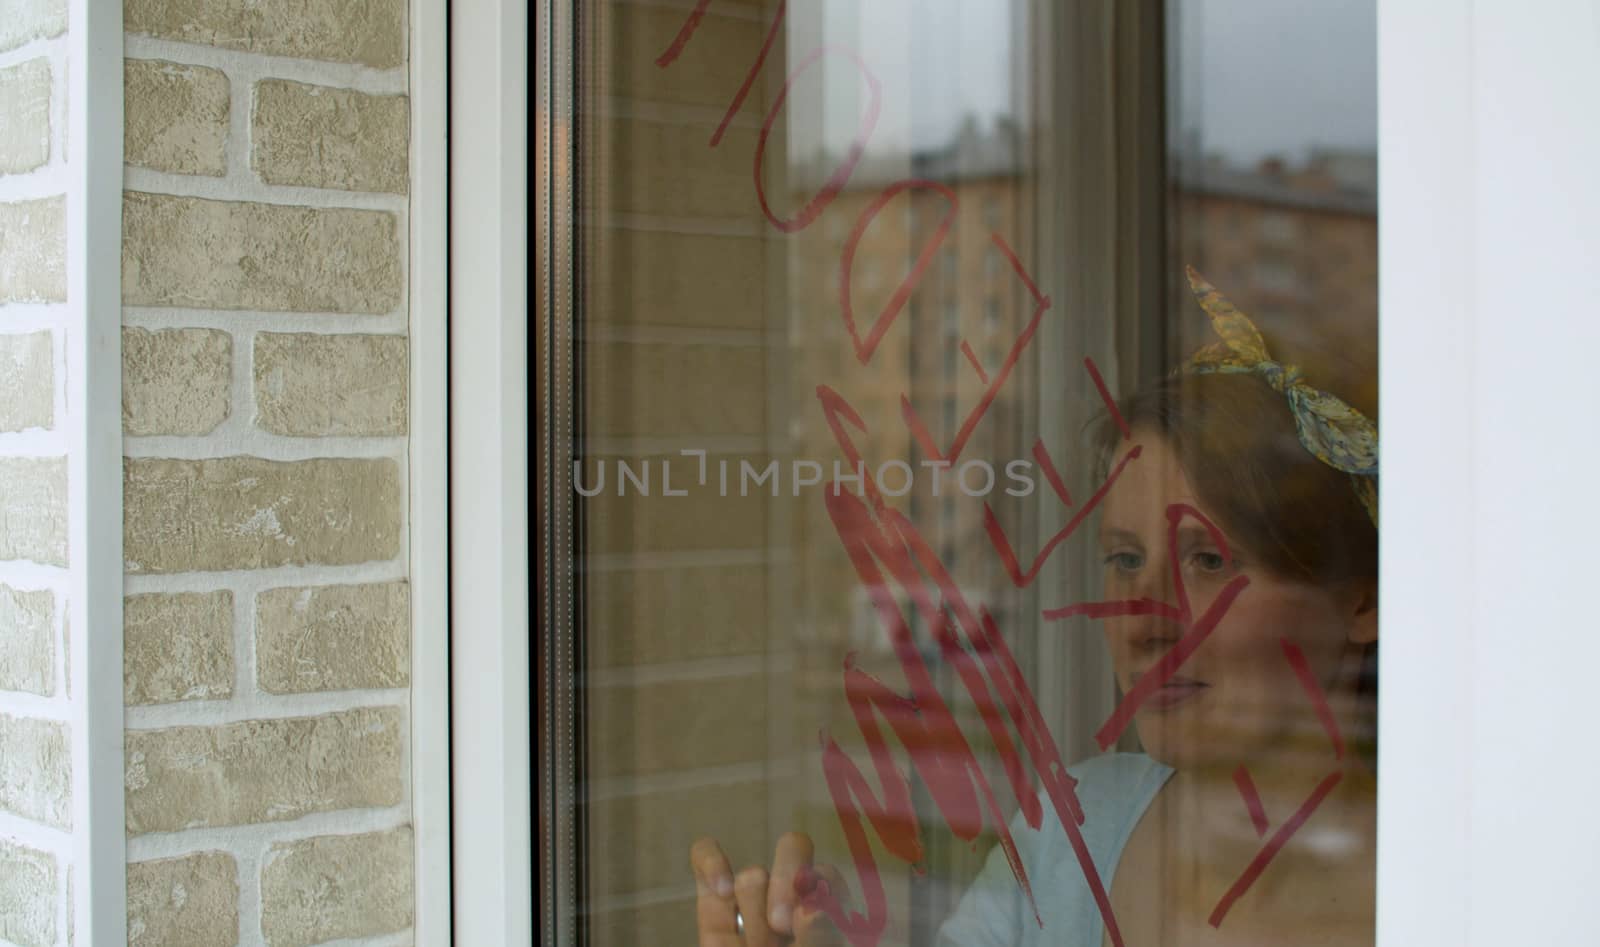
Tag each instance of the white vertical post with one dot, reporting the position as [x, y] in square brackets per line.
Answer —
[491, 779]
[1490, 205]
[429, 473]
[1426, 325]
[94, 466]
[1536, 150]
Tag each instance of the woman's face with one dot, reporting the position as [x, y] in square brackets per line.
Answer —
[1237, 698]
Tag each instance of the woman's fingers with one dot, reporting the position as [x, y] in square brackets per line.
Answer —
[835, 881]
[793, 854]
[813, 927]
[711, 867]
[714, 895]
[750, 889]
[768, 902]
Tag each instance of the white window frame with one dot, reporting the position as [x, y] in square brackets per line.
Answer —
[1487, 143]
[1488, 250]
[429, 471]
[491, 789]
[92, 429]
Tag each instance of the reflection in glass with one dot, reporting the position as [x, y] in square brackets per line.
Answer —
[1092, 634]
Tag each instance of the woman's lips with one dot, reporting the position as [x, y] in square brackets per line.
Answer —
[1174, 692]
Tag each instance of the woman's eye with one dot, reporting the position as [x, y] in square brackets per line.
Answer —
[1208, 561]
[1125, 561]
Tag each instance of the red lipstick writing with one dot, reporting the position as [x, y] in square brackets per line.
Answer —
[887, 553]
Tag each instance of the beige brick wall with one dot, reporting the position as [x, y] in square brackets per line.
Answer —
[336, 887]
[28, 882]
[227, 513]
[22, 21]
[27, 641]
[33, 250]
[152, 403]
[218, 254]
[27, 381]
[25, 102]
[176, 117]
[36, 842]
[342, 637]
[265, 770]
[302, 384]
[177, 646]
[191, 899]
[34, 509]
[327, 137]
[35, 772]
[365, 32]
[265, 401]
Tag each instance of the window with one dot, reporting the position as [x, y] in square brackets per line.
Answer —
[1279, 227]
[777, 592]
[1276, 276]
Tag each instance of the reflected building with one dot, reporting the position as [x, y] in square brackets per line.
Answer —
[1286, 241]
[1279, 240]
[942, 350]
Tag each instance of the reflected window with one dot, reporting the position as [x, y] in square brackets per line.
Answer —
[1278, 228]
[1055, 630]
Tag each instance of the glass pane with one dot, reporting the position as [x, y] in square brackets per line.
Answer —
[942, 555]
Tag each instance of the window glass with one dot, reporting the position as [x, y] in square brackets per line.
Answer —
[977, 471]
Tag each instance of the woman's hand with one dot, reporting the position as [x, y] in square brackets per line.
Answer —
[767, 900]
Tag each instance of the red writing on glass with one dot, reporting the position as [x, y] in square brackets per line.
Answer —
[1041, 305]
[885, 546]
[921, 722]
[888, 548]
[865, 347]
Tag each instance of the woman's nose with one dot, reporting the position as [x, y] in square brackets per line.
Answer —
[1154, 633]
[1153, 626]
[1154, 581]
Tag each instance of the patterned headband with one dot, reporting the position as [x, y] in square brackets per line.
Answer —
[1333, 431]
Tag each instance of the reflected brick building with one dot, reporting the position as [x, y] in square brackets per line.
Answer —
[941, 351]
[1299, 242]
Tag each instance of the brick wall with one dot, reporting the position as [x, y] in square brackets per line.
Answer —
[265, 406]
[35, 710]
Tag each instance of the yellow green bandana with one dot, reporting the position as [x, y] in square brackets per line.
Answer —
[1334, 432]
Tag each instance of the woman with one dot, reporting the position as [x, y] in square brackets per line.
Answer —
[1243, 540]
